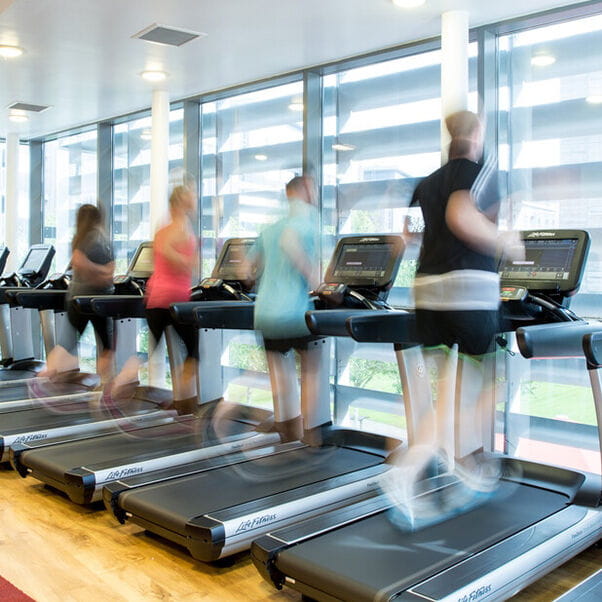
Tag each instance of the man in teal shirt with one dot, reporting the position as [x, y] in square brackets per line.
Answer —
[287, 253]
[286, 257]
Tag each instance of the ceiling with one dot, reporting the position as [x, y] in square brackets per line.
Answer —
[80, 57]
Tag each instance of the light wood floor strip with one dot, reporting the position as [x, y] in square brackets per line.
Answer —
[56, 551]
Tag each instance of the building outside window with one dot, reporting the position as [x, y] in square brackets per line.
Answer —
[131, 181]
[251, 145]
[381, 135]
[70, 180]
[550, 152]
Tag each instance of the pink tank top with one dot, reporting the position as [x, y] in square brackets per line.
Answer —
[166, 286]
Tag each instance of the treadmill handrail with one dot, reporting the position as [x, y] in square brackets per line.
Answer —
[561, 339]
[229, 315]
[332, 322]
[40, 299]
[392, 326]
[592, 348]
[118, 306]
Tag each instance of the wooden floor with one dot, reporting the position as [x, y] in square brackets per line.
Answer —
[54, 550]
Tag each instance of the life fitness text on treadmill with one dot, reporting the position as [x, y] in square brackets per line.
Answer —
[475, 594]
[124, 472]
[258, 521]
[30, 437]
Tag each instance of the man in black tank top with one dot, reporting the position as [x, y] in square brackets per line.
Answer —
[456, 294]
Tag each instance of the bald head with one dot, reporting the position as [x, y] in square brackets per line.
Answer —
[466, 131]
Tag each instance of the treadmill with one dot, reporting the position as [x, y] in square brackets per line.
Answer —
[217, 510]
[78, 415]
[538, 518]
[81, 468]
[16, 329]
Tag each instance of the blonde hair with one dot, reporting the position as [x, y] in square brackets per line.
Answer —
[177, 196]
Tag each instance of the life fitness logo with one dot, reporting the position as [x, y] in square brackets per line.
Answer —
[369, 239]
[542, 235]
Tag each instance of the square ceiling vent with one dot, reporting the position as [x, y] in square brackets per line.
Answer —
[170, 36]
[27, 106]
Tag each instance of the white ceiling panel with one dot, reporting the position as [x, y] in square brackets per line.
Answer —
[80, 57]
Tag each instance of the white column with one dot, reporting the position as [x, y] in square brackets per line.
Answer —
[454, 69]
[11, 215]
[158, 202]
[159, 158]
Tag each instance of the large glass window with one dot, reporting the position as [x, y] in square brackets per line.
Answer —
[131, 181]
[251, 146]
[70, 180]
[2, 184]
[381, 135]
[550, 153]
[22, 238]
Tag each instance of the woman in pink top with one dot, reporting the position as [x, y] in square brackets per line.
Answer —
[175, 250]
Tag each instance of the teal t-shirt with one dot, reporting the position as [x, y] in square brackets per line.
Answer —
[282, 295]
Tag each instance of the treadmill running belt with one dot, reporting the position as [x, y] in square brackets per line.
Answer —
[373, 560]
[106, 451]
[174, 503]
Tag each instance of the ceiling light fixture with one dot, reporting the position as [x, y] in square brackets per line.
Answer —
[296, 106]
[154, 76]
[594, 99]
[543, 60]
[10, 52]
[261, 157]
[408, 3]
[343, 147]
[18, 118]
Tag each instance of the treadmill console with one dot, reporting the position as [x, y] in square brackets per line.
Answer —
[36, 264]
[230, 278]
[139, 271]
[550, 274]
[362, 270]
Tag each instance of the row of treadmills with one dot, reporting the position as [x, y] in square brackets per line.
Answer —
[312, 510]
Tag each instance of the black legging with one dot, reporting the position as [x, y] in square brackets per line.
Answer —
[159, 319]
[103, 327]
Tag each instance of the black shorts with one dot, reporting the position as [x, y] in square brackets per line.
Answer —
[159, 319]
[103, 327]
[473, 331]
[284, 345]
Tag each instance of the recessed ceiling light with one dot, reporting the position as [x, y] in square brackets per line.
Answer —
[154, 76]
[18, 118]
[594, 99]
[408, 3]
[261, 157]
[10, 52]
[343, 147]
[296, 106]
[543, 60]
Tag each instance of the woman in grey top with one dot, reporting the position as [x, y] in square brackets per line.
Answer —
[93, 266]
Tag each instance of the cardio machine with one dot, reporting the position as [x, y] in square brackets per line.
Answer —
[81, 468]
[78, 414]
[540, 516]
[217, 508]
[16, 328]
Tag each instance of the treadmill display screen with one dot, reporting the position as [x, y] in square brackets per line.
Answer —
[363, 261]
[34, 260]
[544, 260]
[144, 261]
[231, 264]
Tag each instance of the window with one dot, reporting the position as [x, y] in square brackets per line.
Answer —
[550, 153]
[70, 180]
[251, 146]
[381, 135]
[131, 181]
[22, 238]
